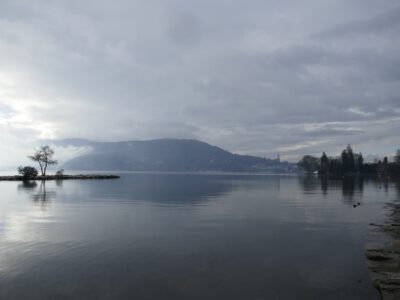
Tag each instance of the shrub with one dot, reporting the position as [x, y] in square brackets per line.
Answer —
[60, 173]
[27, 172]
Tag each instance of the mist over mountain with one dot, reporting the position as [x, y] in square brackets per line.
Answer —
[166, 155]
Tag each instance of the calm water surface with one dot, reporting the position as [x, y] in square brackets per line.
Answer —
[182, 236]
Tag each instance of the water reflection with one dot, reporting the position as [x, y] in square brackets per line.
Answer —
[160, 188]
[324, 185]
[351, 187]
[128, 239]
[397, 186]
[59, 183]
[27, 185]
[38, 193]
[309, 184]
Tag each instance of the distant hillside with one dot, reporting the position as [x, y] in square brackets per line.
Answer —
[166, 155]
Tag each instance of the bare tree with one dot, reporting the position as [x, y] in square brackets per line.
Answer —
[397, 157]
[44, 157]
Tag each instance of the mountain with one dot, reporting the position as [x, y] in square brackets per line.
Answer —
[166, 155]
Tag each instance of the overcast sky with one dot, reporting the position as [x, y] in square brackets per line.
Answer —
[254, 77]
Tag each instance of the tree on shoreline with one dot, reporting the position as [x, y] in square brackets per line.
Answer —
[44, 157]
[27, 172]
[309, 163]
[347, 157]
[324, 168]
[360, 162]
[396, 157]
[350, 163]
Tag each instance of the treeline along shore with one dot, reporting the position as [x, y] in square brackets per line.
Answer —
[350, 163]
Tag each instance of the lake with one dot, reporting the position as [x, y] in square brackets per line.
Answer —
[189, 236]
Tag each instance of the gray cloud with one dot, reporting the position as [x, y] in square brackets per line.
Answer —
[387, 22]
[257, 78]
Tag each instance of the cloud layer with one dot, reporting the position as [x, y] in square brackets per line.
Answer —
[256, 77]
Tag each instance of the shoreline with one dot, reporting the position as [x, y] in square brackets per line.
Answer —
[384, 260]
[62, 177]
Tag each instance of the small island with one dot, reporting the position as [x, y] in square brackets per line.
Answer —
[56, 177]
[44, 157]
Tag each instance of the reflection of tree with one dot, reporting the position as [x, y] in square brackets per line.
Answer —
[397, 185]
[386, 185]
[348, 186]
[39, 196]
[309, 183]
[360, 182]
[27, 185]
[352, 186]
[324, 184]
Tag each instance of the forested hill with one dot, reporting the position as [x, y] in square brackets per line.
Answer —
[167, 155]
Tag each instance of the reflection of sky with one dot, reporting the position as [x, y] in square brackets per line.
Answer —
[281, 200]
[230, 221]
[18, 215]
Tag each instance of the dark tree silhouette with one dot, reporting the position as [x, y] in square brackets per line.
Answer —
[396, 157]
[309, 163]
[350, 156]
[360, 161]
[335, 166]
[385, 166]
[348, 165]
[44, 157]
[345, 161]
[324, 169]
[27, 172]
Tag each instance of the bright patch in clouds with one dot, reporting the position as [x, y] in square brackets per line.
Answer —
[358, 111]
